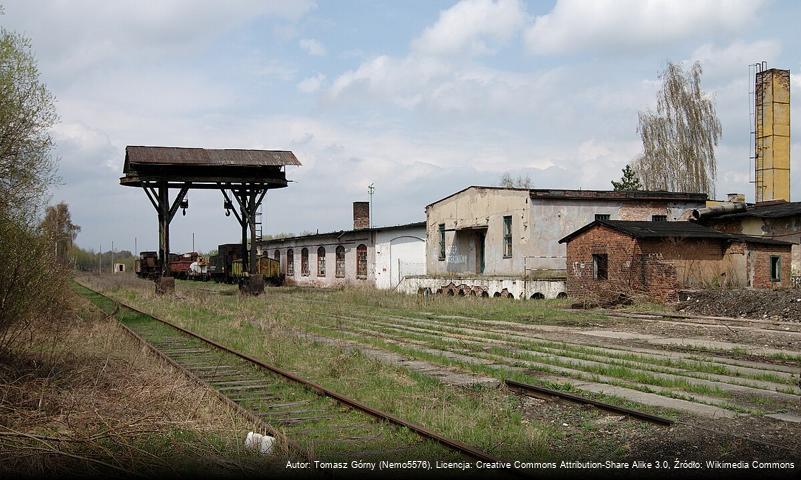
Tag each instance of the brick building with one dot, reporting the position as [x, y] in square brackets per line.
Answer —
[608, 257]
[775, 219]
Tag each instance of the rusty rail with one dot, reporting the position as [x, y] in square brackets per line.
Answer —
[588, 401]
[461, 447]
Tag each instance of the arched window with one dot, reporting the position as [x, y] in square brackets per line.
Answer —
[304, 262]
[361, 261]
[321, 262]
[290, 263]
[340, 264]
[277, 256]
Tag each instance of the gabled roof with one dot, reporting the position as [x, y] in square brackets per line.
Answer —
[679, 230]
[566, 194]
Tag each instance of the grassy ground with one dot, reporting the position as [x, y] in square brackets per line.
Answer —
[87, 399]
[503, 335]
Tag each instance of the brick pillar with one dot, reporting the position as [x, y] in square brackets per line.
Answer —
[361, 215]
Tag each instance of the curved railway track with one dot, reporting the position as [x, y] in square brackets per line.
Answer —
[311, 419]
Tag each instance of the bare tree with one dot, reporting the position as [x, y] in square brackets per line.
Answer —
[679, 139]
[59, 230]
[515, 182]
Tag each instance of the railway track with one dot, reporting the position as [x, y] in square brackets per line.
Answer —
[312, 420]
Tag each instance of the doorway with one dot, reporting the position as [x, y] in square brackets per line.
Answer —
[481, 235]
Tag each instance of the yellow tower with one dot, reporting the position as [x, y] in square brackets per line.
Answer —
[772, 127]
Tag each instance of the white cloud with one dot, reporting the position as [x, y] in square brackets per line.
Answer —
[311, 84]
[71, 36]
[468, 25]
[312, 47]
[733, 59]
[575, 25]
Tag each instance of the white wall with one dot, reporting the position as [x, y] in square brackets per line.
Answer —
[395, 247]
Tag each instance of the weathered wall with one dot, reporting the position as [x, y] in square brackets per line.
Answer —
[759, 266]
[397, 249]
[494, 286]
[477, 207]
[553, 219]
[787, 229]
[349, 240]
[659, 267]
[623, 253]
[537, 226]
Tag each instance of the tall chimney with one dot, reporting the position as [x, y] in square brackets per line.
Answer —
[361, 215]
[772, 127]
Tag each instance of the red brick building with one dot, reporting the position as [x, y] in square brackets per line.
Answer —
[608, 257]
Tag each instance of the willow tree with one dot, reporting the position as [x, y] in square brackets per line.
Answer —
[680, 137]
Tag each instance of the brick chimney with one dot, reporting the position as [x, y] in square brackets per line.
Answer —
[361, 215]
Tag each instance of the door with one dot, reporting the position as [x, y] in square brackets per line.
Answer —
[481, 235]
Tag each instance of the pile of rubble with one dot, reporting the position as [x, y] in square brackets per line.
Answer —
[780, 304]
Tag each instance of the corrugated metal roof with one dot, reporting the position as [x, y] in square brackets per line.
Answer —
[671, 230]
[207, 156]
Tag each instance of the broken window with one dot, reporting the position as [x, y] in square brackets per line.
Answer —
[600, 266]
[361, 261]
[321, 262]
[290, 263]
[304, 262]
[601, 216]
[507, 236]
[441, 241]
[340, 262]
[775, 268]
[659, 218]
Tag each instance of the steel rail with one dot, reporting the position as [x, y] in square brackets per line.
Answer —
[320, 390]
[588, 401]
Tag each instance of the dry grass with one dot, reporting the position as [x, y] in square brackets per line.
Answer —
[91, 400]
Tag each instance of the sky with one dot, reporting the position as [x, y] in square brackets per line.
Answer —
[421, 98]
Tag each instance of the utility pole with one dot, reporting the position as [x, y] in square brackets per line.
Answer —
[112, 256]
[193, 241]
[370, 190]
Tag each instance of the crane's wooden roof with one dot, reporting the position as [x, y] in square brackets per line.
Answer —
[206, 167]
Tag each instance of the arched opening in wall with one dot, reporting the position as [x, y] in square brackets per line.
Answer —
[340, 262]
[485, 294]
[361, 261]
[277, 256]
[561, 295]
[304, 262]
[537, 296]
[321, 262]
[497, 295]
[290, 263]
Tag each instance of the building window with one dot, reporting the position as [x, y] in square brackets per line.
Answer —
[277, 256]
[361, 261]
[600, 266]
[441, 242]
[659, 218]
[290, 263]
[775, 268]
[340, 263]
[321, 262]
[601, 216]
[507, 236]
[304, 262]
